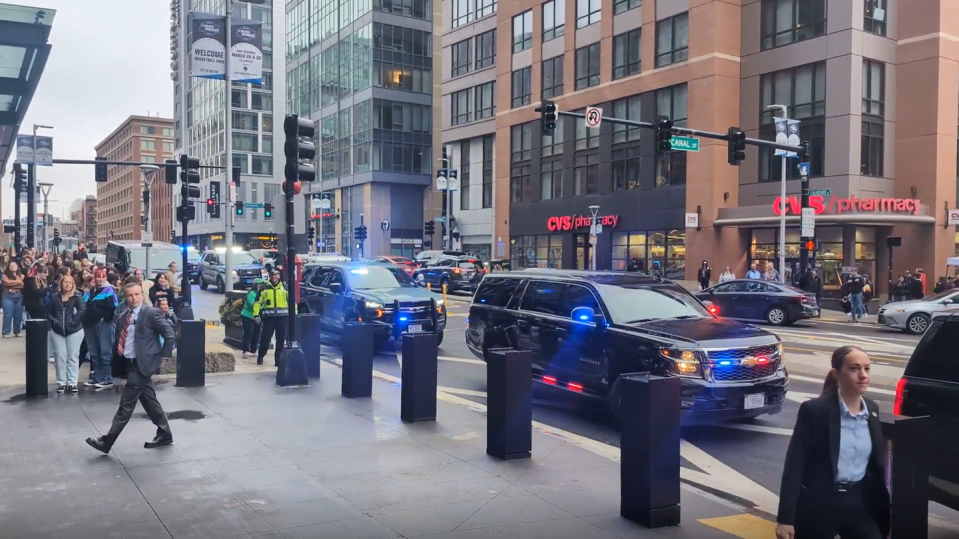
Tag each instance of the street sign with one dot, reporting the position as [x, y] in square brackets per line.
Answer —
[804, 169]
[441, 179]
[252, 204]
[686, 144]
[787, 132]
[808, 224]
[953, 217]
[820, 192]
[692, 220]
[453, 183]
[594, 116]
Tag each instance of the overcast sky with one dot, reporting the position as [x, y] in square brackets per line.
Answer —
[110, 59]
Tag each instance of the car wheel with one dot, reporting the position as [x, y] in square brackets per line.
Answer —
[380, 342]
[777, 316]
[917, 324]
[220, 285]
[613, 399]
[420, 277]
[439, 339]
[203, 284]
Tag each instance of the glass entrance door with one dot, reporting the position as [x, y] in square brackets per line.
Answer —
[581, 241]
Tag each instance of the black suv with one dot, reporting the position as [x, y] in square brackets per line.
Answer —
[586, 328]
[930, 387]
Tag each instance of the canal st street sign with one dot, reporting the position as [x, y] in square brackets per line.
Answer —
[572, 222]
[839, 205]
[686, 144]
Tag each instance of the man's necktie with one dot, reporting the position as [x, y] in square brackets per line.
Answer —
[123, 335]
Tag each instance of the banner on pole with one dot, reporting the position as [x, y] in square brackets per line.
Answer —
[25, 152]
[246, 51]
[43, 151]
[208, 46]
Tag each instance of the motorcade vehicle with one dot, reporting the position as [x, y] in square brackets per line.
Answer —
[246, 269]
[319, 258]
[267, 257]
[407, 264]
[456, 272]
[761, 301]
[132, 255]
[930, 387]
[585, 329]
[380, 294]
[193, 265]
[915, 316]
[423, 258]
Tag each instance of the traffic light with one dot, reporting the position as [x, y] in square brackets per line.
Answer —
[18, 176]
[190, 176]
[429, 228]
[169, 171]
[359, 233]
[267, 210]
[664, 135]
[236, 177]
[239, 207]
[311, 233]
[100, 170]
[57, 240]
[210, 206]
[298, 149]
[811, 245]
[547, 110]
[737, 146]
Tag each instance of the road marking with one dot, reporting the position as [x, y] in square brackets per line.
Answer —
[800, 397]
[470, 361]
[743, 525]
[876, 390]
[467, 392]
[757, 428]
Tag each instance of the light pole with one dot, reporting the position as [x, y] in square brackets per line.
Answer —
[782, 204]
[148, 173]
[31, 192]
[594, 211]
[45, 190]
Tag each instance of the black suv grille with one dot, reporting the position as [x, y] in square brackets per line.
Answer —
[415, 312]
[740, 353]
[735, 370]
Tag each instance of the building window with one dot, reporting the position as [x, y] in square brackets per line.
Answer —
[672, 40]
[521, 145]
[536, 251]
[460, 106]
[462, 12]
[488, 171]
[621, 6]
[626, 169]
[168, 146]
[462, 63]
[872, 153]
[485, 100]
[803, 91]
[873, 113]
[672, 103]
[627, 54]
[586, 174]
[521, 140]
[485, 8]
[586, 137]
[588, 12]
[148, 144]
[554, 19]
[875, 17]
[551, 179]
[553, 77]
[486, 49]
[523, 31]
[522, 91]
[627, 109]
[552, 143]
[148, 130]
[658, 252]
[465, 175]
[873, 88]
[587, 66]
[790, 21]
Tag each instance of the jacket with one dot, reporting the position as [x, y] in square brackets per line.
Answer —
[704, 274]
[855, 284]
[248, 303]
[153, 340]
[812, 460]
[157, 292]
[273, 300]
[101, 303]
[66, 318]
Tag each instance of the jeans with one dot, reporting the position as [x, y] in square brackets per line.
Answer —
[251, 334]
[855, 303]
[66, 351]
[99, 338]
[12, 313]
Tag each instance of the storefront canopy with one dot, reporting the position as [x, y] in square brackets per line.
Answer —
[954, 261]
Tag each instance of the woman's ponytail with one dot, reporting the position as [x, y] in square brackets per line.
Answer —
[831, 383]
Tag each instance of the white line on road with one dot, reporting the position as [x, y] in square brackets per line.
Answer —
[757, 428]
[462, 360]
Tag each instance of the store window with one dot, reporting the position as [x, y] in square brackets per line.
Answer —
[658, 252]
[866, 251]
[543, 251]
[405, 247]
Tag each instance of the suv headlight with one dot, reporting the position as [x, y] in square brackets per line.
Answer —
[682, 362]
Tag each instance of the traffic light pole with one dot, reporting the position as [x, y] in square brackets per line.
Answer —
[804, 203]
[31, 205]
[17, 189]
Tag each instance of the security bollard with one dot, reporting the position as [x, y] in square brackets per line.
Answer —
[649, 466]
[509, 401]
[418, 394]
[908, 465]
[357, 360]
[308, 333]
[37, 354]
[291, 366]
[191, 353]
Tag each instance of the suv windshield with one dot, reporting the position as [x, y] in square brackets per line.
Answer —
[633, 304]
[378, 277]
[160, 258]
[241, 257]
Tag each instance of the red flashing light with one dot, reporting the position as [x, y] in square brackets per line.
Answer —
[210, 202]
[457, 271]
[762, 359]
[549, 380]
[574, 386]
[714, 310]
[897, 403]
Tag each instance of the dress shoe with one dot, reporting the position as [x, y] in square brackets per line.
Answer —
[99, 444]
[158, 441]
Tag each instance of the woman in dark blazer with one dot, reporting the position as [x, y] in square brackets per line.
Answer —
[833, 479]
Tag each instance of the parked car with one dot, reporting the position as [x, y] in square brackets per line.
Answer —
[585, 329]
[131, 255]
[915, 316]
[246, 269]
[930, 387]
[193, 265]
[267, 257]
[400, 261]
[457, 273]
[381, 294]
[761, 301]
[423, 258]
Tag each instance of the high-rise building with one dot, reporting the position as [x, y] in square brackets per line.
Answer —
[365, 73]
[254, 113]
[119, 201]
[86, 217]
[872, 83]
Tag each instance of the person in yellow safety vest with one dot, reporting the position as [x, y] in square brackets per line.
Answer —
[270, 310]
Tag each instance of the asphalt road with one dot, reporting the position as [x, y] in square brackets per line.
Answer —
[738, 460]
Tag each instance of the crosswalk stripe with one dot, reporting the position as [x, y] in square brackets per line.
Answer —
[744, 526]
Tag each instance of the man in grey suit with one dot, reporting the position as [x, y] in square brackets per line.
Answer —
[139, 329]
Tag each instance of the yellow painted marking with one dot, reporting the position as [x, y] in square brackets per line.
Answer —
[744, 526]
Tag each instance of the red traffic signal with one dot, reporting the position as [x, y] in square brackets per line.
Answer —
[210, 202]
[810, 245]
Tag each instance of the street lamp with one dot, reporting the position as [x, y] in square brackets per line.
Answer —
[31, 189]
[148, 173]
[782, 204]
[45, 188]
[593, 238]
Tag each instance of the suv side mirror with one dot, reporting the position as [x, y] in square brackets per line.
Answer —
[336, 288]
[587, 315]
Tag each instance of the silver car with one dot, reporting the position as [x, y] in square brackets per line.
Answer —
[915, 316]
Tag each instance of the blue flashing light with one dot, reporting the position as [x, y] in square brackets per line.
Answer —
[403, 319]
[359, 271]
[725, 362]
[583, 317]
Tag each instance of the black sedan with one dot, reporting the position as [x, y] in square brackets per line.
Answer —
[761, 301]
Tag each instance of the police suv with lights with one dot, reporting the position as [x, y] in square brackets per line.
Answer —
[585, 329]
[381, 294]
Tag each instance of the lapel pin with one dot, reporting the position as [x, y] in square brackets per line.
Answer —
[874, 414]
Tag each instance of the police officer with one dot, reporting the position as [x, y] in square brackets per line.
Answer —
[270, 311]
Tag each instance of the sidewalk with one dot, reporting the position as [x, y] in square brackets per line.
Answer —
[256, 461]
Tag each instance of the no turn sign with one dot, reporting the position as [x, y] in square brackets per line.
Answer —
[594, 116]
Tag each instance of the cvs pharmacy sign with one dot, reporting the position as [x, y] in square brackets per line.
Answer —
[572, 222]
[838, 205]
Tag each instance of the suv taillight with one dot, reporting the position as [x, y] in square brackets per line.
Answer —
[900, 393]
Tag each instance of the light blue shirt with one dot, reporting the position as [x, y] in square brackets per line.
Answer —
[855, 443]
[753, 274]
[129, 347]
